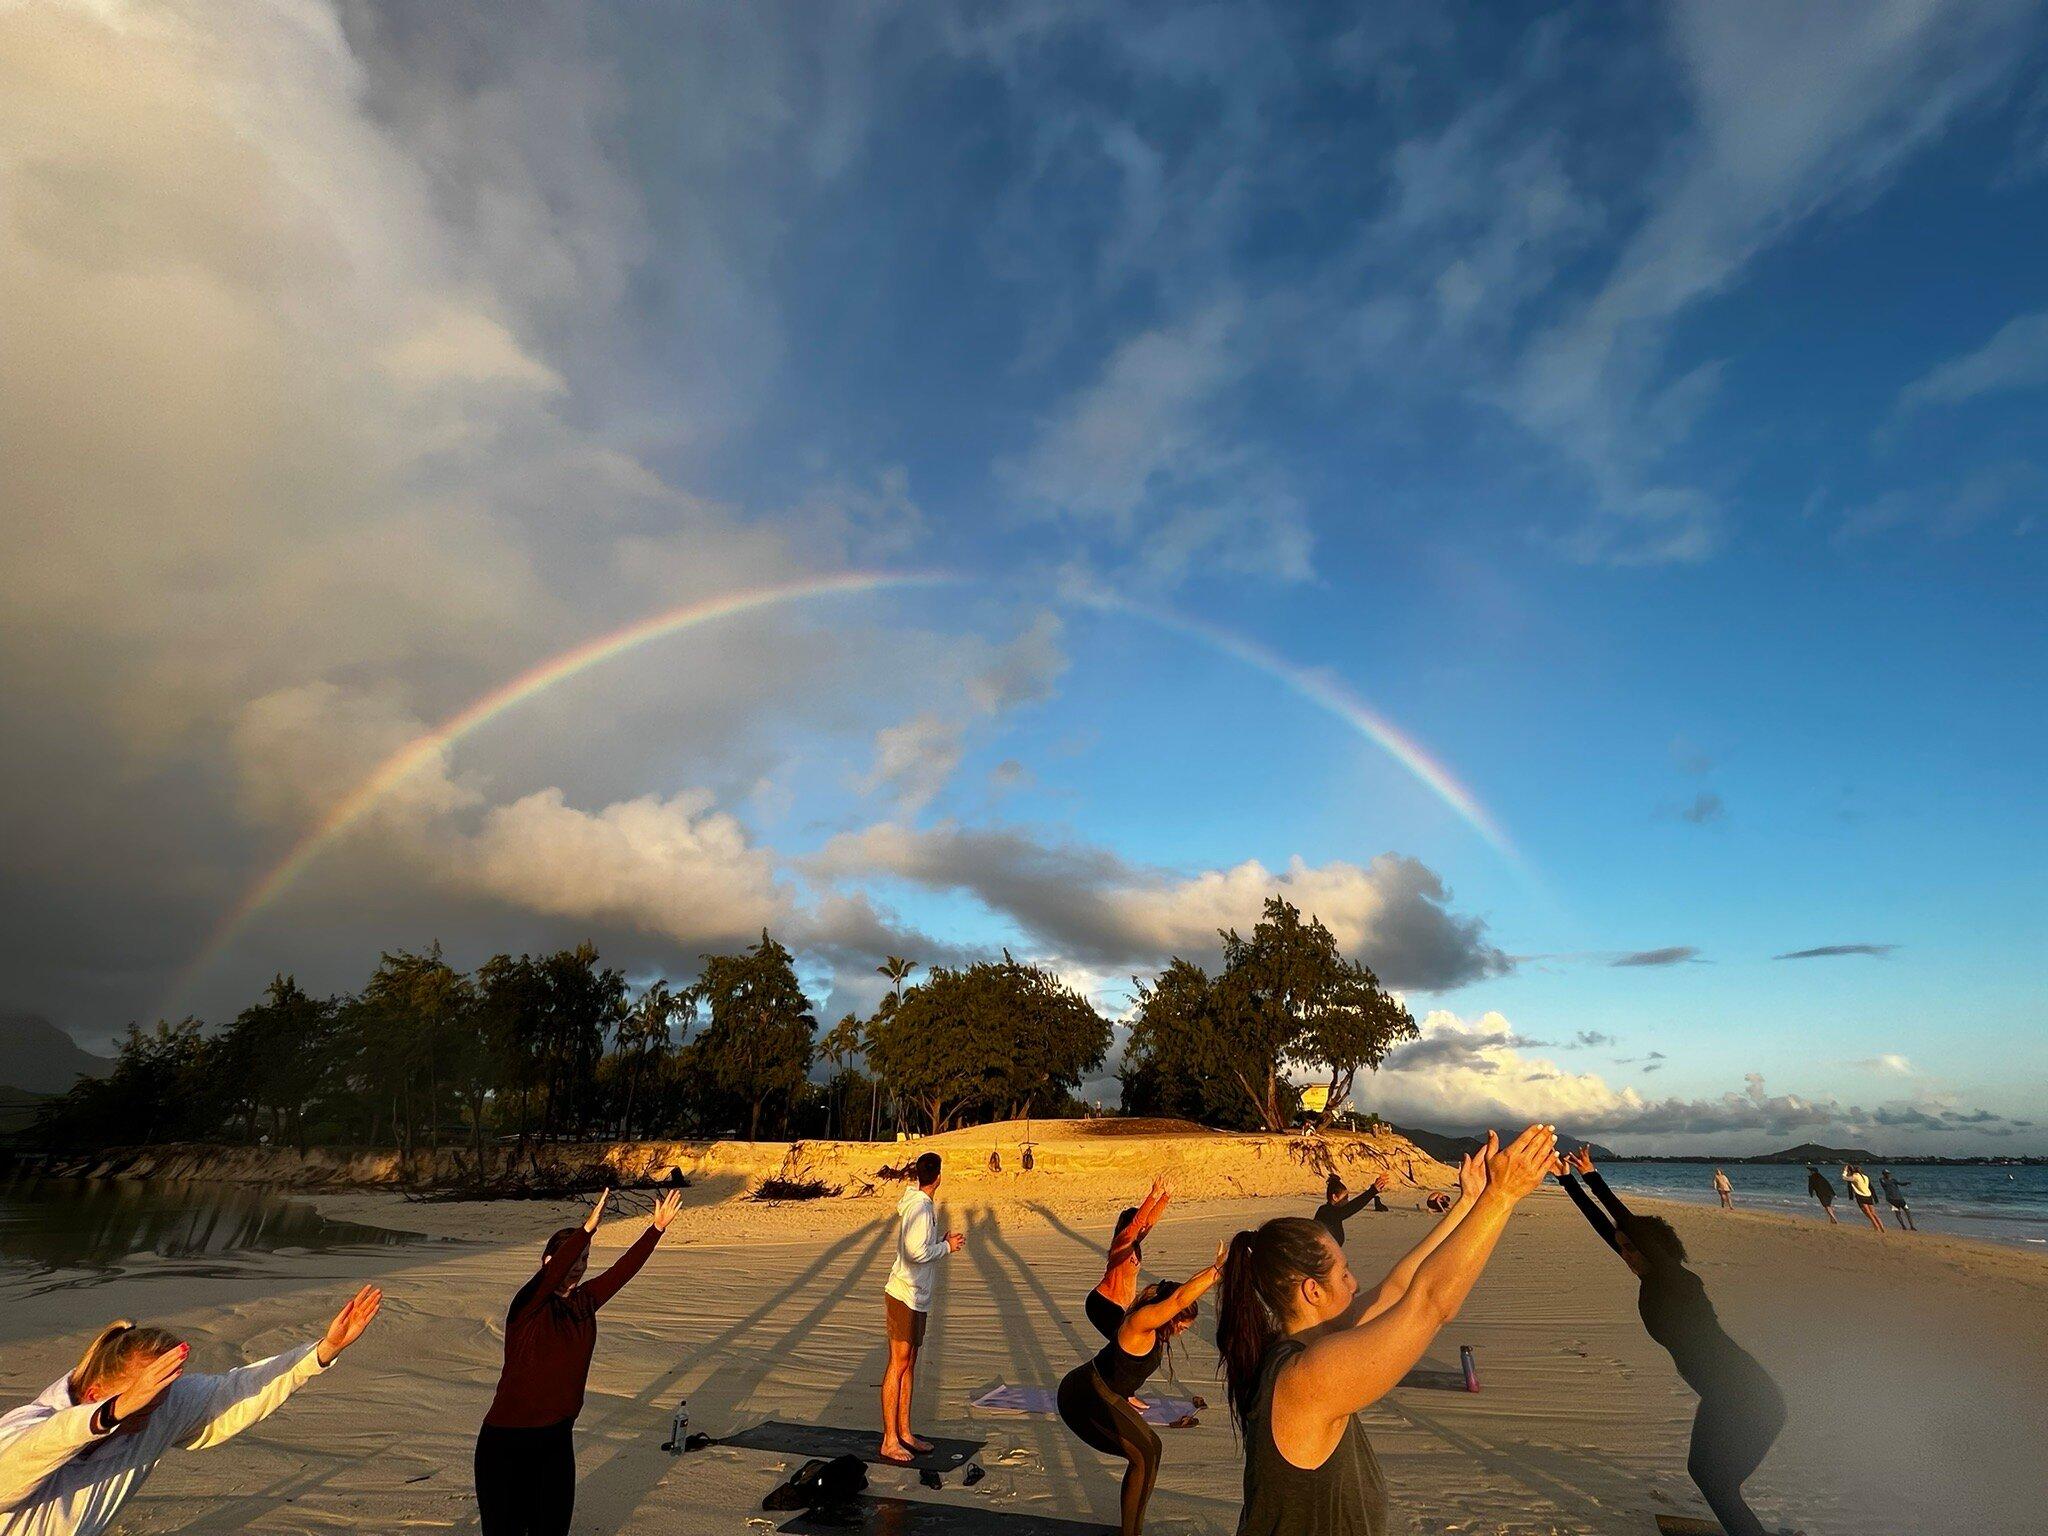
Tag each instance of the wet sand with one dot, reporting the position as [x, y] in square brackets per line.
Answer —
[1916, 1369]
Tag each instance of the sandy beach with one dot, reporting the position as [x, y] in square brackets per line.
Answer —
[1916, 1368]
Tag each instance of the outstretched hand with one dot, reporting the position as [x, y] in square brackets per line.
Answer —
[349, 1322]
[1580, 1161]
[151, 1383]
[1516, 1169]
[596, 1211]
[665, 1209]
[1472, 1169]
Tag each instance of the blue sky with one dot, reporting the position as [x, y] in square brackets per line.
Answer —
[1636, 406]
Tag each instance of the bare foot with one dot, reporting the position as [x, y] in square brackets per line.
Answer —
[919, 1446]
[894, 1451]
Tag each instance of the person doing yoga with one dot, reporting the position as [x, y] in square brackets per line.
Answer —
[1106, 1304]
[1336, 1207]
[1741, 1410]
[70, 1459]
[1304, 1348]
[525, 1453]
[1096, 1398]
[1817, 1185]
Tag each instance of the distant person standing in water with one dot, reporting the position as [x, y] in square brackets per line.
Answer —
[1895, 1193]
[1339, 1202]
[1859, 1186]
[1724, 1189]
[526, 1451]
[1741, 1410]
[1817, 1185]
[70, 1459]
[908, 1304]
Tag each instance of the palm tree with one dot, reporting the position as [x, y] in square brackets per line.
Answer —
[897, 969]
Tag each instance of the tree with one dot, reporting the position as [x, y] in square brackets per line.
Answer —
[843, 1040]
[1181, 1059]
[278, 1048]
[995, 1036]
[757, 1045]
[645, 1035]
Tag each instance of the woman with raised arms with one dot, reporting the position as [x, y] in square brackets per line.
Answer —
[1305, 1348]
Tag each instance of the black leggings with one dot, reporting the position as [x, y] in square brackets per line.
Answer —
[1731, 1435]
[1105, 1314]
[1112, 1426]
[526, 1480]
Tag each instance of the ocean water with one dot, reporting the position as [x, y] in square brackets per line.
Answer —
[73, 1229]
[2000, 1205]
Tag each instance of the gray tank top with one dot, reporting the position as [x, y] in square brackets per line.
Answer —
[1345, 1496]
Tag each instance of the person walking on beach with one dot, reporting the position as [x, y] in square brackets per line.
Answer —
[1305, 1348]
[1895, 1196]
[1097, 1399]
[1817, 1185]
[1859, 1186]
[1741, 1411]
[525, 1462]
[70, 1459]
[908, 1303]
[1339, 1203]
[1106, 1304]
[1724, 1189]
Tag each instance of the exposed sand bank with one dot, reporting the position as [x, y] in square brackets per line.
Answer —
[1917, 1369]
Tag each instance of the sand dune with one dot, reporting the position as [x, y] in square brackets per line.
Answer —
[1915, 1368]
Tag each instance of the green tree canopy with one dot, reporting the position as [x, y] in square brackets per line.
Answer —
[758, 1043]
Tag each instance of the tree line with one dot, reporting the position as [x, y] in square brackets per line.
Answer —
[546, 1047]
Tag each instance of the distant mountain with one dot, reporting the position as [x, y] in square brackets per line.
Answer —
[38, 1056]
[1814, 1152]
[1448, 1149]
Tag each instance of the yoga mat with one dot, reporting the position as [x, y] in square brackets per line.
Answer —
[1042, 1400]
[1433, 1380]
[915, 1517]
[826, 1441]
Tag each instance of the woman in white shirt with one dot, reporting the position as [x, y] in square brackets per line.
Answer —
[70, 1459]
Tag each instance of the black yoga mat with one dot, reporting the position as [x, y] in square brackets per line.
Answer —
[915, 1517]
[826, 1441]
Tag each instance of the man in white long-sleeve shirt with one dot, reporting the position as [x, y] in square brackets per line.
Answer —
[70, 1459]
[919, 1247]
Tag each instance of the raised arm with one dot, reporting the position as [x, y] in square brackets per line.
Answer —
[627, 1265]
[1150, 1209]
[1358, 1201]
[1471, 1183]
[1142, 1322]
[1608, 1197]
[206, 1410]
[1346, 1369]
[1593, 1214]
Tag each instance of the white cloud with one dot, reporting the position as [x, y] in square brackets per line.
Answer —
[914, 760]
[2016, 357]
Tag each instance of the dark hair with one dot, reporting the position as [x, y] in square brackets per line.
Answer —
[926, 1168]
[526, 1292]
[1331, 1185]
[1124, 1218]
[1159, 1290]
[1261, 1270]
[1655, 1238]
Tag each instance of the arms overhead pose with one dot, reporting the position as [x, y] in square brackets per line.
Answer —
[1119, 1283]
[1095, 1397]
[70, 1459]
[1339, 1203]
[1305, 1348]
[1741, 1410]
[525, 1453]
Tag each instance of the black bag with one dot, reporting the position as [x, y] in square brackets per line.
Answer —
[819, 1482]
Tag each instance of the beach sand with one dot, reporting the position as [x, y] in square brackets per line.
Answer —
[1916, 1368]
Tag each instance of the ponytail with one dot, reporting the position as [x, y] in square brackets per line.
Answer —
[113, 1350]
[1260, 1271]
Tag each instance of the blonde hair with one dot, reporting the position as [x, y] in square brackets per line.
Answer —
[115, 1350]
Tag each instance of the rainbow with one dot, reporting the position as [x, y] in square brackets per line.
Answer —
[1317, 687]
[423, 750]
[1320, 688]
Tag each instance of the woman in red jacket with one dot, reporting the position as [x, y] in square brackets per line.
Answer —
[525, 1459]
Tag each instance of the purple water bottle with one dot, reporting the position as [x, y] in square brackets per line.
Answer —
[1469, 1366]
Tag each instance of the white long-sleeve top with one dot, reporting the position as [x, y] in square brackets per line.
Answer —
[59, 1478]
[919, 1245]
